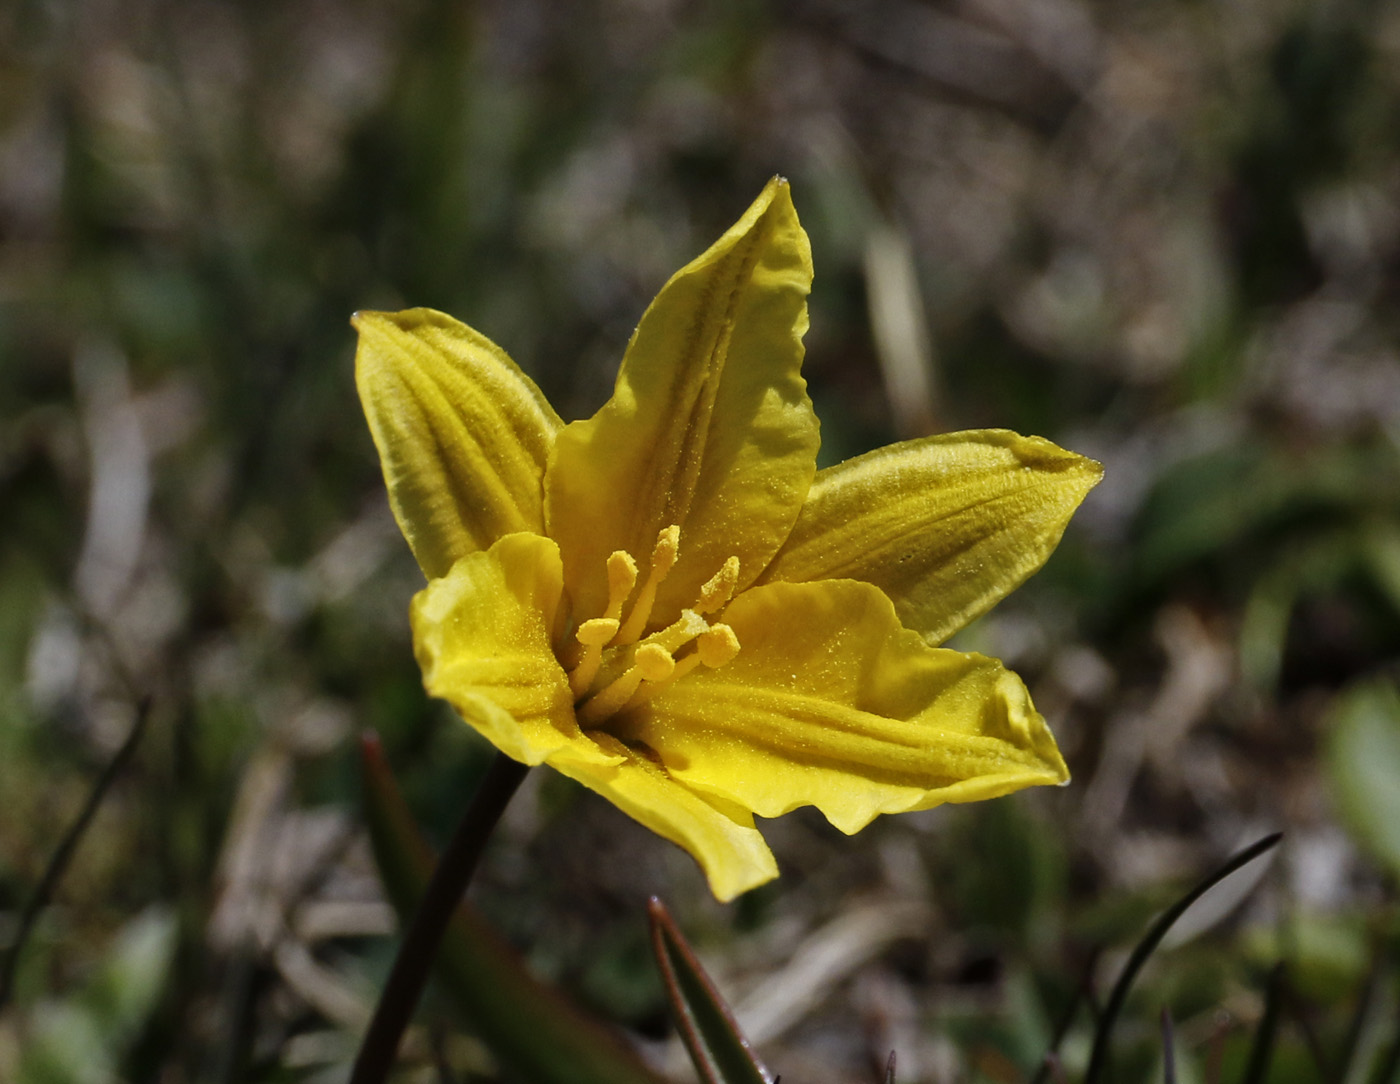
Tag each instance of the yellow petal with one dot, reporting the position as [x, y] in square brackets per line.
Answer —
[830, 702]
[728, 847]
[945, 526]
[709, 427]
[482, 635]
[462, 433]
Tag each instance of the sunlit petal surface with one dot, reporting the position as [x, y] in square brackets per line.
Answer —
[832, 703]
[709, 428]
[482, 634]
[946, 526]
[462, 433]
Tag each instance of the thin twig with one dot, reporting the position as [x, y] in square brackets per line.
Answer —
[420, 943]
[58, 864]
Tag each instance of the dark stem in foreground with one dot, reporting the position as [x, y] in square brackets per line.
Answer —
[420, 943]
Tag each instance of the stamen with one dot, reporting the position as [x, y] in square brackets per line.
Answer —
[654, 662]
[668, 544]
[651, 663]
[622, 577]
[714, 647]
[719, 590]
[593, 635]
[717, 645]
[597, 631]
[680, 632]
[607, 702]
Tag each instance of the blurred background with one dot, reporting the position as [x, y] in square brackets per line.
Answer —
[1163, 233]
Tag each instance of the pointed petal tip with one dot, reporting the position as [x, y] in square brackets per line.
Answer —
[361, 319]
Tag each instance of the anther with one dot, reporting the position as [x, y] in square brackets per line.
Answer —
[654, 662]
[593, 635]
[622, 577]
[714, 647]
[663, 557]
[720, 589]
[717, 645]
[597, 631]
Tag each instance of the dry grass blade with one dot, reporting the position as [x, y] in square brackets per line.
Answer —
[717, 1047]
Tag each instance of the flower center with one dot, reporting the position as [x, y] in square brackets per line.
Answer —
[618, 667]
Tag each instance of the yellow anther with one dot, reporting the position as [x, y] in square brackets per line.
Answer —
[622, 577]
[720, 588]
[593, 635]
[717, 645]
[597, 631]
[654, 662]
[668, 544]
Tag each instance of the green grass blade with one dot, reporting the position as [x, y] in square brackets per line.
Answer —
[1168, 1049]
[1262, 1049]
[1083, 994]
[1098, 1059]
[719, 1050]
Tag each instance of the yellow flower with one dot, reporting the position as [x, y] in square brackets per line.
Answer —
[668, 603]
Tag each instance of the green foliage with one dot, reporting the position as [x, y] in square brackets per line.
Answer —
[78, 1038]
[1364, 757]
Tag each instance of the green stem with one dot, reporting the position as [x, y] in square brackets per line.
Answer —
[420, 943]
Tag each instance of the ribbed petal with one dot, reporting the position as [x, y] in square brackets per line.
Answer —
[709, 427]
[830, 702]
[728, 847]
[482, 635]
[463, 434]
[945, 526]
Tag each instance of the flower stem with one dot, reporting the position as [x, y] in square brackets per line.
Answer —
[420, 943]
